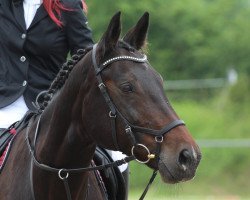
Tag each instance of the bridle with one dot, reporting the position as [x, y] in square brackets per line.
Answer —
[130, 129]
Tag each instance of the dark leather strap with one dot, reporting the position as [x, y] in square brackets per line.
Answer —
[107, 98]
[77, 170]
[114, 134]
[163, 131]
[66, 186]
[149, 184]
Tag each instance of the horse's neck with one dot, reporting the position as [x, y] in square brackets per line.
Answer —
[63, 139]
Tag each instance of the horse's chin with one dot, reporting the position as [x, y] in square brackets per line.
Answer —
[166, 175]
[170, 176]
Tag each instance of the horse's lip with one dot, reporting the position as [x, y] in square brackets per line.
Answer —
[171, 178]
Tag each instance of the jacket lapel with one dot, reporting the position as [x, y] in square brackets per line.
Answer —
[18, 12]
[40, 14]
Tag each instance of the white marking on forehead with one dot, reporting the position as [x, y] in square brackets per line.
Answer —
[194, 153]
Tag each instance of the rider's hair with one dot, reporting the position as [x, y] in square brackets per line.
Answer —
[55, 7]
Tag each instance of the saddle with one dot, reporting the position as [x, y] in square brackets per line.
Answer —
[5, 137]
[112, 177]
[7, 134]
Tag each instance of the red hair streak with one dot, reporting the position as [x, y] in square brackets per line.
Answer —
[54, 7]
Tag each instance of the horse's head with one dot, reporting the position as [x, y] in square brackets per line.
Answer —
[144, 123]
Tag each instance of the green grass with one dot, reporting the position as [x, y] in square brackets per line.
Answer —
[224, 173]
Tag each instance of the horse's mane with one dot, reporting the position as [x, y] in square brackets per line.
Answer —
[61, 77]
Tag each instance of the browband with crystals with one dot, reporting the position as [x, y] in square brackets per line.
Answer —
[143, 59]
[118, 58]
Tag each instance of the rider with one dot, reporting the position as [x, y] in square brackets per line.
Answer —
[34, 44]
[35, 39]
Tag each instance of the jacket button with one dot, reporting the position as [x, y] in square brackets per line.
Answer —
[22, 58]
[24, 83]
[23, 36]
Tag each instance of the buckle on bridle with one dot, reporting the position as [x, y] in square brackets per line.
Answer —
[60, 174]
[159, 139]
[101, 85]
[128, 130]
[112, 115]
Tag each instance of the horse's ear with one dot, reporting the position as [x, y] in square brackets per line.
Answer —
[111, 36]
[137, 35]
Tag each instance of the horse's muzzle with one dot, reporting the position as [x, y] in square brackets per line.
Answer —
[180, 167]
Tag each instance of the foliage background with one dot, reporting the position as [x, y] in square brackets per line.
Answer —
[187, 39]
[196, 39]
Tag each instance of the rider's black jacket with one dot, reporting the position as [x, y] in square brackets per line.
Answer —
[30, 59]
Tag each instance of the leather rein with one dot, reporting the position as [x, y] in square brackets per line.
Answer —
[130, 129]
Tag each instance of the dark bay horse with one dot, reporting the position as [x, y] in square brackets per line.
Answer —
[112, 98]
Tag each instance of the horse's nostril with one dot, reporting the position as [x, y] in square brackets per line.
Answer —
[185, 158]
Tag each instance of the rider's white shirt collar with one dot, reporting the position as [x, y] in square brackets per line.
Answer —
[30, 7]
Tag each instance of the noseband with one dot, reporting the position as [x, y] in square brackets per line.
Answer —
[130, 129]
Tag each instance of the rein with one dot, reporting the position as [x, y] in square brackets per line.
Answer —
[67, 171]
[63, 173]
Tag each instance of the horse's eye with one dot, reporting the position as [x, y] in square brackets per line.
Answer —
[127, 87]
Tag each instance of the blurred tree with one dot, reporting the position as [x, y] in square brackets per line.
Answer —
[187, 39]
